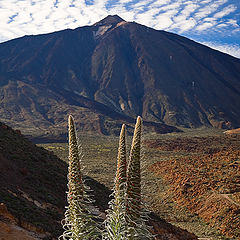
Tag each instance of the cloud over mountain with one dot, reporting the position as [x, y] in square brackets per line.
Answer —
[200, 17]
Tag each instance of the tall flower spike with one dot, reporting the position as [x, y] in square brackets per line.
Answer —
[115, 222]
[121, 174]
[135, 213]
[74, 169]
[133, 205]
[79, 222]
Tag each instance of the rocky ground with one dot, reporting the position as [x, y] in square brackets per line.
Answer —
[206, 180]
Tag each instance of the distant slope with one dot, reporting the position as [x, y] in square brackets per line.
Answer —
[117, 70]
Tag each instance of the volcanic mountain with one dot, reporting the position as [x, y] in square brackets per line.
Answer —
[111, 72]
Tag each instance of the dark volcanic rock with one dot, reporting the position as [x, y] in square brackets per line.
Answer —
[114, 71]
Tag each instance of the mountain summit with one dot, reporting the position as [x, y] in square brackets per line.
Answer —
[116, 70]
[110, 20]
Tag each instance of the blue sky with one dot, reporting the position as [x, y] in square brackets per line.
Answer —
[215, 23]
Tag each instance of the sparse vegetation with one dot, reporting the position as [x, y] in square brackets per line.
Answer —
[157, 194]
[206, 180]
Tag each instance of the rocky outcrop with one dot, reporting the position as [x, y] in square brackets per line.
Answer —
[11, 228]
[233, 131]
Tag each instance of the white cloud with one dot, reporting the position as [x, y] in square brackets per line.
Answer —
[209, 9]
[209, 19]
[159, 3]
[222, 25]
[206, 1]
[233, 22]
[184, 25]
[146, 17]
[163, 22]
[172, 6]
[189, 8]
[227, 10]
[205, 26]
[183, 21]
[18, 18]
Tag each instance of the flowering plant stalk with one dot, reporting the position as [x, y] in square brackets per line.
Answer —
[135, 215]
[126, 217]
[115, 224]
[79, 223]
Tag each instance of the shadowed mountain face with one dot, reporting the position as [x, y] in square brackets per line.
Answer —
[116, 70]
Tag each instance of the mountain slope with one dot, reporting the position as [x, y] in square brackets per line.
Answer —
[116, 70]
[33, 184]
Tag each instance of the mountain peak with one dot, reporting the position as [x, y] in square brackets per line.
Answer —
[110, 20]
